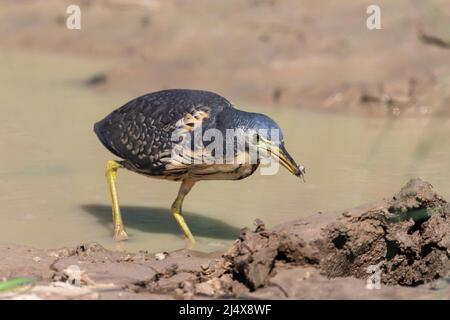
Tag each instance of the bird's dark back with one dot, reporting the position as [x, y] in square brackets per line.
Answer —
[140, 131]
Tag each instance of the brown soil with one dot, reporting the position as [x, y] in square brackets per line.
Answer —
[318, 56]
[324, 256]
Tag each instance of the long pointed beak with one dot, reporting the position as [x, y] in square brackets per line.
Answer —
[289, 163]
[281, 154]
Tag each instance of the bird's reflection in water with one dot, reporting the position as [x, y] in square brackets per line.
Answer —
[159, 220]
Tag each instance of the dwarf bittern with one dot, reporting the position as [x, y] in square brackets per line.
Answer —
[146, 132]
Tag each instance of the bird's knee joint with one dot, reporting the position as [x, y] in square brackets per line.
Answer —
[112, 166]
[175, 208]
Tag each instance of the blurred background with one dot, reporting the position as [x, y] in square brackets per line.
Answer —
[364, 110]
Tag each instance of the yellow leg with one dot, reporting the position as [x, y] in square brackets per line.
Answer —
[111, 176]
[186, 186]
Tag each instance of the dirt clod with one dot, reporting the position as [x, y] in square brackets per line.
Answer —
[407, 237]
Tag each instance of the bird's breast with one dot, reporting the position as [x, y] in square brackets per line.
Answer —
[221, 171]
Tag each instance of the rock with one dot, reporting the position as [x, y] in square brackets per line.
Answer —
[347, 214]
[96, 79]
[252, 257]
[204, 288]
[160, 256]
[205, 266]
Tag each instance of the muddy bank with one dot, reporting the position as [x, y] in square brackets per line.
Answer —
[404, 241]
[407, 238]
[283, 53]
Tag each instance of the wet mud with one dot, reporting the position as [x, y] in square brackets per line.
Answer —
[403, 240]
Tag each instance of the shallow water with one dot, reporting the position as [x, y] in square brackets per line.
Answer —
[53, 191]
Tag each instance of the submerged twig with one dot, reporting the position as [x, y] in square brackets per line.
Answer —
[433, 40]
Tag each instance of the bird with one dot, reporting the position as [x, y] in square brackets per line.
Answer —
[146, 131]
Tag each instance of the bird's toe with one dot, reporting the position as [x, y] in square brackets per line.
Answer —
[120, 234]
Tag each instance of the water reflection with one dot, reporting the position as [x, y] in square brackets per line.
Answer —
[158, 220]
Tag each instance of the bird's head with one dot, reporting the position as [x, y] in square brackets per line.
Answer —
[269, 141]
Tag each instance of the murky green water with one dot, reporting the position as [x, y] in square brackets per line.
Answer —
[53, 191]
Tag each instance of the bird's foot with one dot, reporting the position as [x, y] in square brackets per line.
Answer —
[120, 234]
[190, 243]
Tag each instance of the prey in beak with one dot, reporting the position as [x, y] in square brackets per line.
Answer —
[279, 153]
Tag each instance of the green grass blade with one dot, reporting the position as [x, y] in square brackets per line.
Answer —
[14, 283]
